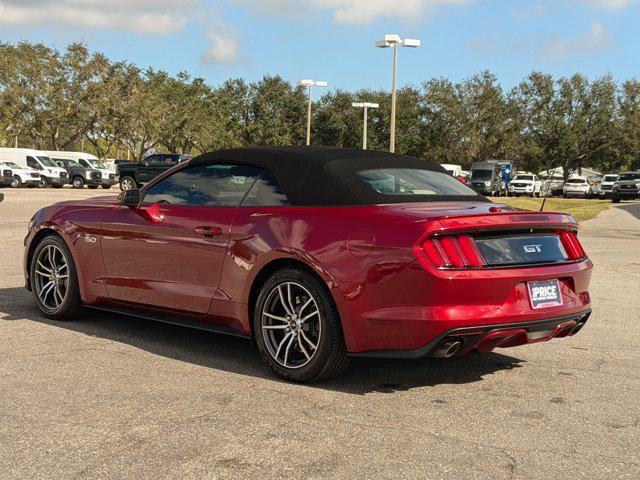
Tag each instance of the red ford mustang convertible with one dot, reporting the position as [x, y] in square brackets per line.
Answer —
[316, 254]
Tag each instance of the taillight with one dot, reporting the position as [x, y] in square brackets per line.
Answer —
[571, 245]
[449, 251]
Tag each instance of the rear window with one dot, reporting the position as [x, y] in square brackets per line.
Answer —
[413, 182]
[576, 180]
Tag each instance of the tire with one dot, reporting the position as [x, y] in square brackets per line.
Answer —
[128, 183]
[16, 182]
[106, 187]
[44, 183]
[92, 187]
[323, 329]
[77, 182]
[564, 196]
[615, 199]
[66, 288]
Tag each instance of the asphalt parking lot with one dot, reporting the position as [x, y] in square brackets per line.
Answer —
[116, 397]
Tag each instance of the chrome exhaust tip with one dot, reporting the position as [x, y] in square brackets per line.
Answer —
[448, 349]
[577, 328]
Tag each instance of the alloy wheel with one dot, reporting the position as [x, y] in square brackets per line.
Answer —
[51, 277]
[291, 325]
[126, 184]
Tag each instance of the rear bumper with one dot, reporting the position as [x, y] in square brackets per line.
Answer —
[484, 338]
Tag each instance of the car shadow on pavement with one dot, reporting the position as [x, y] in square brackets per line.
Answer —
[238, 356]
[632, 208]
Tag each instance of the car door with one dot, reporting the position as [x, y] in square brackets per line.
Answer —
[169, 252]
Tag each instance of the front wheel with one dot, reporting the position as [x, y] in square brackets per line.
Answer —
[297, 328]
[92, 187]
[106, 187]
[44, 183]
[78, 182]
[16, 182]
[54, 281]
[615, 199]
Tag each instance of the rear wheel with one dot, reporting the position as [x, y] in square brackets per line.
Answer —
[615, 199]
[92, 187]
[297, 328]
[54, 281]
[106, 187]
[43, 182]
[127, 183]
[16, 182]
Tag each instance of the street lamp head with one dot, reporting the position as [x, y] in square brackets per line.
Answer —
[321, 84]
[382, 44]
[392, 38]
[357, 105]
[411, 43]
[305, 82]
[371, 105]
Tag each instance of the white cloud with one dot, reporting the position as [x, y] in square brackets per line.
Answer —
[223, 48]
[596, 39]
[357, 11]
[609, 4]
[148, 17]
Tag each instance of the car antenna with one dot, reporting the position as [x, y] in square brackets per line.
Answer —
[544, 199]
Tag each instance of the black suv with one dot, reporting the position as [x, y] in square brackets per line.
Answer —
[133, 175]
[626, 187]
[79, 175]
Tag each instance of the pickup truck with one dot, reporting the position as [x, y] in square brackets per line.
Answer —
[79, 175]
[133, 175]
[525, 184]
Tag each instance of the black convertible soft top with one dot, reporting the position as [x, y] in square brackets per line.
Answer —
[324, 176]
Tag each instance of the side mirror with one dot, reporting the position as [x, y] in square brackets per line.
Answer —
[131, 198]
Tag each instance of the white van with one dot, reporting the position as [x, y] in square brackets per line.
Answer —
[454, 170]
[27, 177]
[88, 161]
[50, 173]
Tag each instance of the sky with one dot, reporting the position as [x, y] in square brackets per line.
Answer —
[333, 40]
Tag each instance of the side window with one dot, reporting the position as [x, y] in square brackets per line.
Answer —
[221, 185]
[266, 192]
[152, 159]
[31, 162]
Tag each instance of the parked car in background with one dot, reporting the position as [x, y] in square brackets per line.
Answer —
[453, 170]
[79, 175]
[626, 187]
[606, 186]
[51, 174]
[133, 175]
[6, 175]
[577, 187]
[316, 254]
[26, 177]
[91, 162]
[486, 178]
[525, 184]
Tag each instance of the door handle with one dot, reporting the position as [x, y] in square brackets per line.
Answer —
[208, 231]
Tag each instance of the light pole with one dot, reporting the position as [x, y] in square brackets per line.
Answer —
[393, 41]
[310, 84]
[365, 106]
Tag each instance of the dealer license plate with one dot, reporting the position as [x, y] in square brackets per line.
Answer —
[544, 293]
